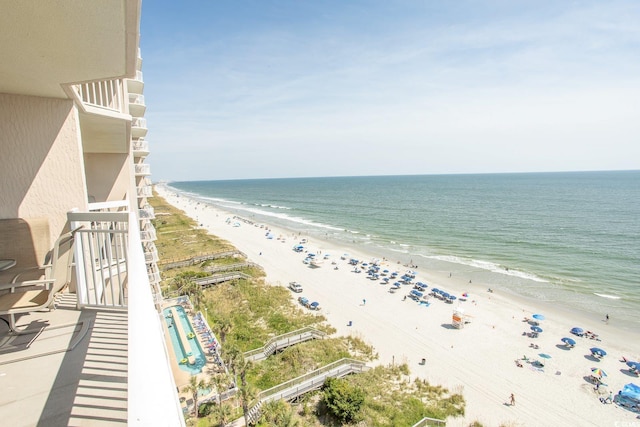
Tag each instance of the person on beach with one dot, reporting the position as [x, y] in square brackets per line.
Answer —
[364, 301]
[607, 318]
[512, 400]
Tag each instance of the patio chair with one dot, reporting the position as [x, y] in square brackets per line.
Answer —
[36, 295]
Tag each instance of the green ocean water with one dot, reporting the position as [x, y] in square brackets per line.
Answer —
[569, 238]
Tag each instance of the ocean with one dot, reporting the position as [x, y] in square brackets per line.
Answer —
[567, 238]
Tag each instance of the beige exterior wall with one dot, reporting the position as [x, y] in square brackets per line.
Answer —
[41, 166]
[108, 176]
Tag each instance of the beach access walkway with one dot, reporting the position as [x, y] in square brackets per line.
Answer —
[185, 262]
[283, 341]
[216, 279]
[313, 380]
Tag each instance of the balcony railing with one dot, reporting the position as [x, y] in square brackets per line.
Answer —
[145, 191]
[105, 94]
[139, 122]
[136, 84]
[140, 147]
[101, 256]
[151, 255]
[147, 212]
[148, 236]
[142, 169]
[135, 98]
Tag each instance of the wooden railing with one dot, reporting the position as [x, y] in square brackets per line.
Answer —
[283, 341]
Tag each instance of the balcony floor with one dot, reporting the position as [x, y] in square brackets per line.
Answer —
[74, 372]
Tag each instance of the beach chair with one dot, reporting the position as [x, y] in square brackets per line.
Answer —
[36, 295]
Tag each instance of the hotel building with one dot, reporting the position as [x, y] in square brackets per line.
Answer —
[72, 159]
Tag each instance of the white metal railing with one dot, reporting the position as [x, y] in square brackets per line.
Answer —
[151, 255]
[140, 145]
[145, 191]
[105, 94]
[138, 76]
[136, 98]
[101, 257]
[154, 277]
[139, 122]
[147, 212]
[148, 235]
[142, 169]
[112, 206]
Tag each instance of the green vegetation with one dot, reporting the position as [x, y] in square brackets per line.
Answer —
[245, 313]
[343, 399]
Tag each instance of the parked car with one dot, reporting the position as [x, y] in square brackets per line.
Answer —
[314, 306]
[295, 287]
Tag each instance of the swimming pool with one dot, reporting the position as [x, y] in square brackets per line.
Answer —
[187, 348]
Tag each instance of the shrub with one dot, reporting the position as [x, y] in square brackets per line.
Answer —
[343, 399]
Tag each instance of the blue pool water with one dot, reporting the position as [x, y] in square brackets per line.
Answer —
[178, 346]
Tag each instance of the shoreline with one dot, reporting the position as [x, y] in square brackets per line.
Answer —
[461, 360]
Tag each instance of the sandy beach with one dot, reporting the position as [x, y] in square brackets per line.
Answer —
[477, 360]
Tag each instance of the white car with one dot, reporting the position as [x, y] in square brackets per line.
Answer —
[295, 287]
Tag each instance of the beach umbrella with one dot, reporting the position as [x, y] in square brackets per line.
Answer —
[634, 365]
[446, 295]
[577, 331]
[545, 355]
[538, 316]
[599, 372]
[536, 329]
[600, 352]
[569, 341]
[465, 295]
[452, 297]
[435, 290]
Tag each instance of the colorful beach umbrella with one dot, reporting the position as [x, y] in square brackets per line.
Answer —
[599, 372]
[538, 316]
[536, 329]
[568, 341]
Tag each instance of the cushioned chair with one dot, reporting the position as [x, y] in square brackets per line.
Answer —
[35, 295]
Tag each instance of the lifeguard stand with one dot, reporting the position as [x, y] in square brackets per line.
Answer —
[458, 318]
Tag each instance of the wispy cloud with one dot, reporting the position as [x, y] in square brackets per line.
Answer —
[442, 90]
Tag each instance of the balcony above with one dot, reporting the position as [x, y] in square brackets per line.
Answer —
[140, 147]
[154, 278]
[137, 106]
[138, 127]
[47, 45]
[136, 84]
[142, 169]
[104, 121]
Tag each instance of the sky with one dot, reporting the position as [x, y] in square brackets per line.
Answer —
[240, 89]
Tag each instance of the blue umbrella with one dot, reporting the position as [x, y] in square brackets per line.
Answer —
[435, 290]
[544, 356]
[444, 294]
[569, 341]
[538, 316]
[536, 329]
[600, 352]
[634, 365]
[452, 297]
[577, 331]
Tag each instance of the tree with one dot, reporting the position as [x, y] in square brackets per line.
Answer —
[224, 326]
[193, 388]
[186, 285]
[342, 399]
[239, 367]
